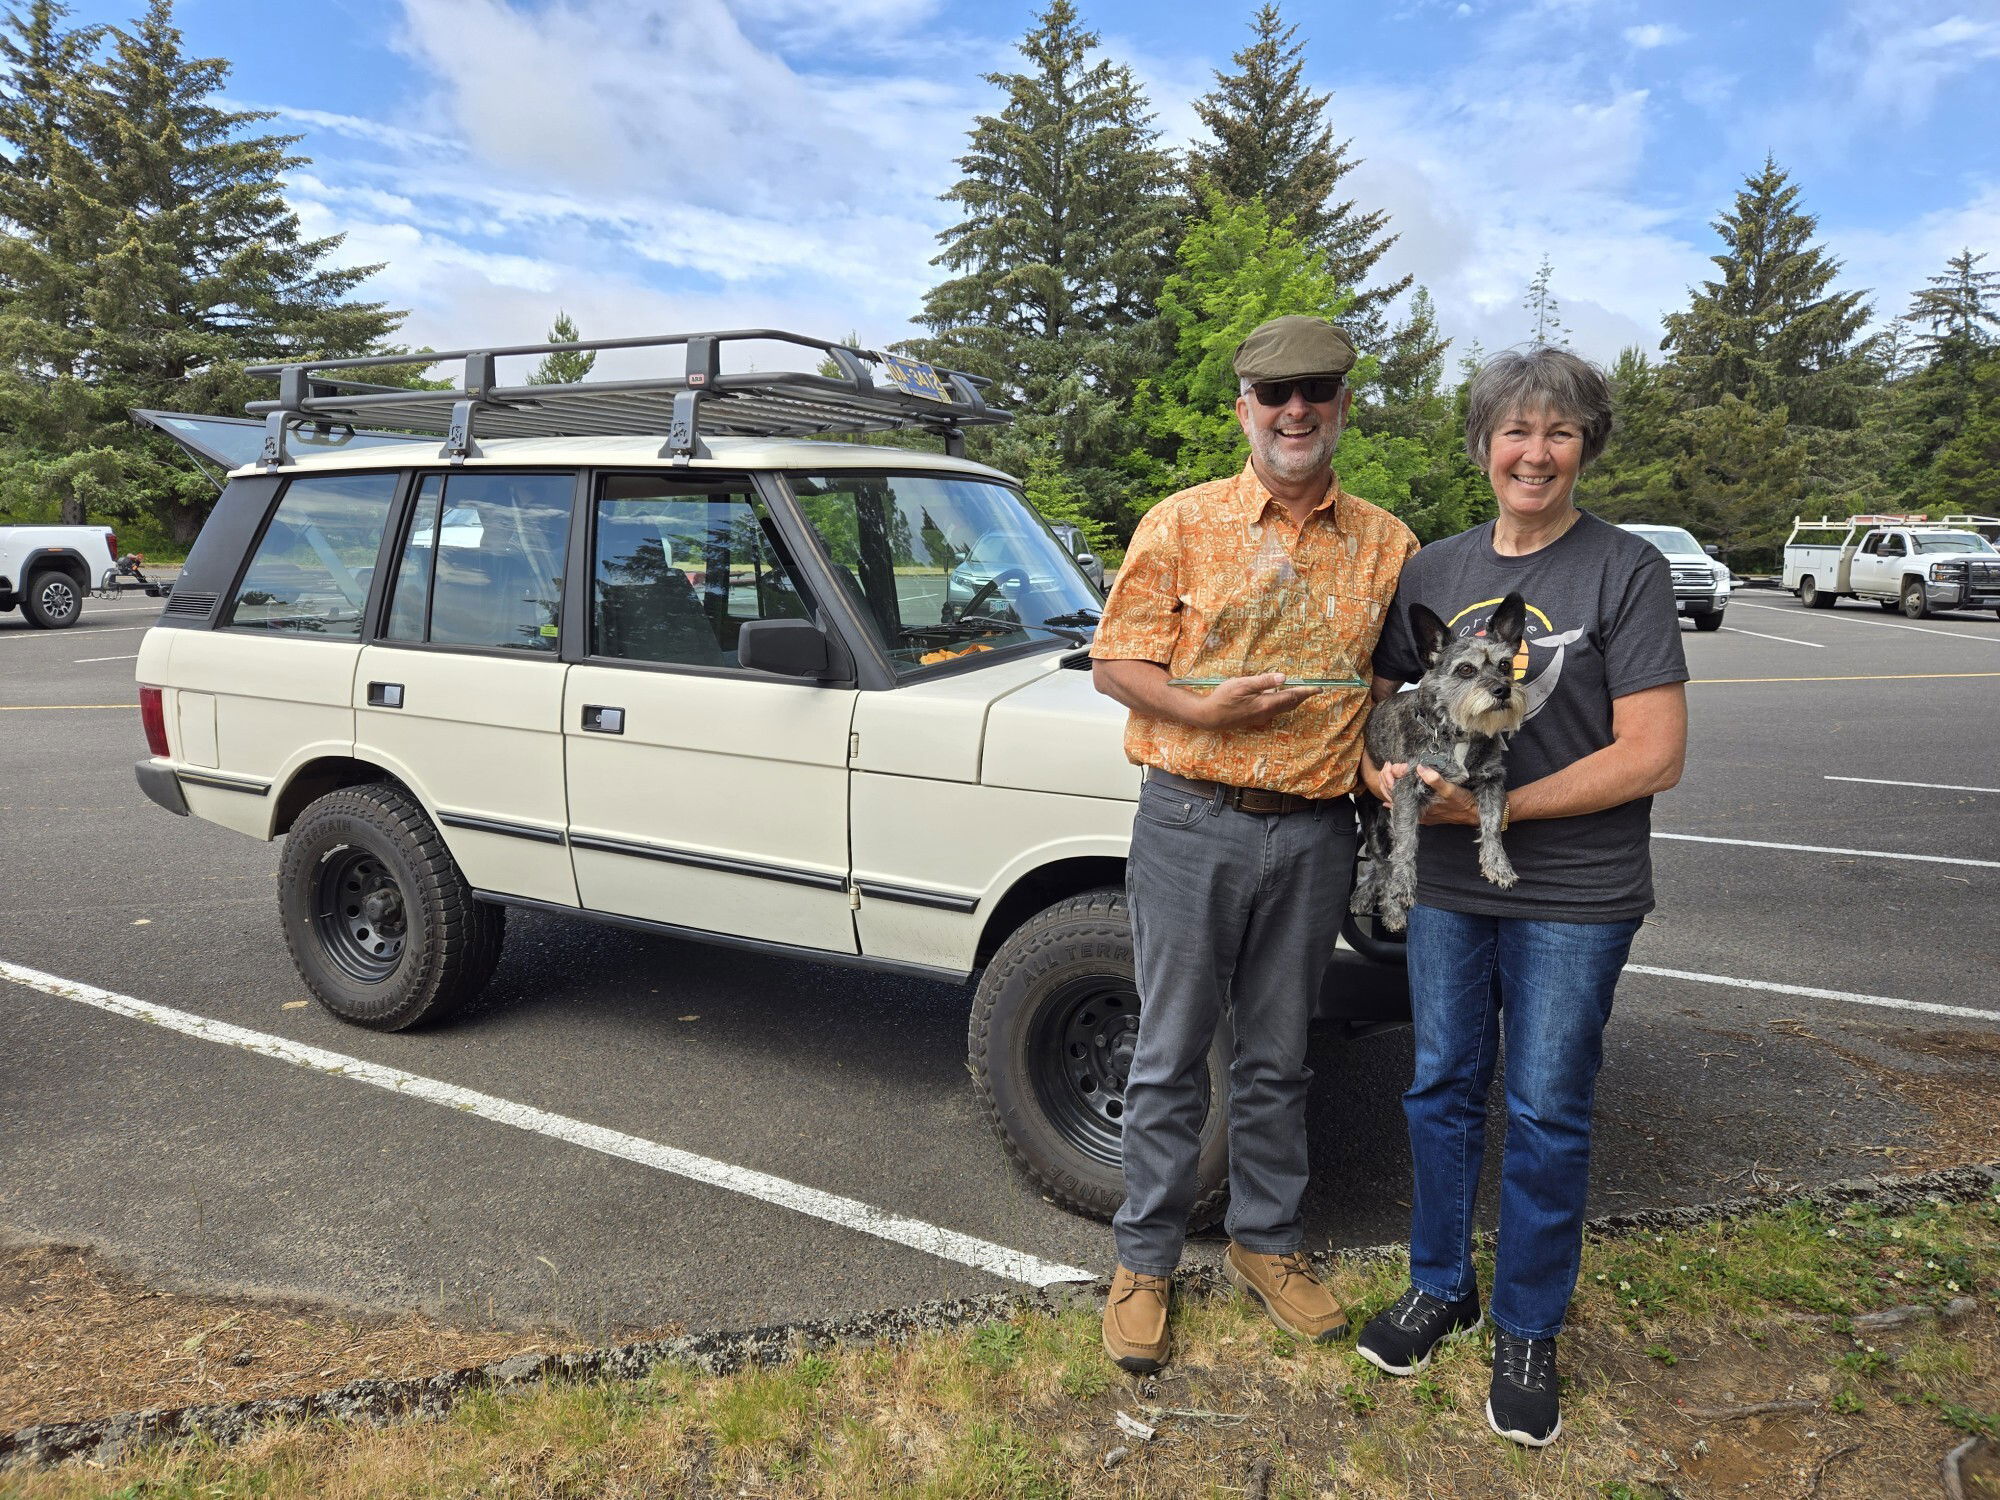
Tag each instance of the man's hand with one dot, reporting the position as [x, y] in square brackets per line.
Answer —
[1382, 779]
[1450, 802]
[1250, 702]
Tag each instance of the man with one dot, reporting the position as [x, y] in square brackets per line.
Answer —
[1243, 845]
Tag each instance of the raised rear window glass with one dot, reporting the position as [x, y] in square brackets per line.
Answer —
[483, 562]
[311, 570]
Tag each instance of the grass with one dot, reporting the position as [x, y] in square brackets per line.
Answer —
[1664, 1325]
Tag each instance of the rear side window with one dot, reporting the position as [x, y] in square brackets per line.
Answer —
[483, 562]
[310, 573]
[680, 571]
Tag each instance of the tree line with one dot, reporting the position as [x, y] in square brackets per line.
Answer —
[1100, 279]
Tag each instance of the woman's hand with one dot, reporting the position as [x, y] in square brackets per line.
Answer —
[1381, 780]
[1450, 802]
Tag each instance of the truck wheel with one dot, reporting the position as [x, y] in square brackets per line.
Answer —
[381, 924]
[52, 600]
[1053, 1026]
[1811, 595]
[1710, 621]
[1914, 605]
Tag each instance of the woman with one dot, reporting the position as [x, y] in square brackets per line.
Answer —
[1606, 728]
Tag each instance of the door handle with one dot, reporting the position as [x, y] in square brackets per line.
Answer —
[598, 719]
[385, 695]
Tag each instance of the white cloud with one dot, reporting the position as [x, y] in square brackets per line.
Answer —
[1656, 34]
[1894, 59]
[1894, 263]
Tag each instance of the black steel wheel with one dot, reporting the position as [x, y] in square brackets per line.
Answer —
[52, 600]
[380, 922]
[1053, 1026]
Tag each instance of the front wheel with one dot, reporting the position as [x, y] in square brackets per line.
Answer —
[1710, 621]
[1053, 1027]
[52, 601]
[380, 922]
[1916, 606]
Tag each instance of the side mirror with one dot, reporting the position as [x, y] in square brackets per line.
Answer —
[1711, 549]
[1086, 561]
[786, 648]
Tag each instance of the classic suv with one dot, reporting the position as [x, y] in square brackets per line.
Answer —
[716, 687]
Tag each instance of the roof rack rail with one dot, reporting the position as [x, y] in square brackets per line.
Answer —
[322, 393]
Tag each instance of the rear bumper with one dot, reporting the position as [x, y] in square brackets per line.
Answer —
[158, 781]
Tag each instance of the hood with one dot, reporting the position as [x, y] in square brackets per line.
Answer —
[1059, 734]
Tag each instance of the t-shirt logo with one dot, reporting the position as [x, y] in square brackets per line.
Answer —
[1538, 664]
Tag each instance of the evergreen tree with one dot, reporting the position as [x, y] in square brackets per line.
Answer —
[1070, 216]
[1273, 145]
[1738, 477]
[1410, 378]
[1633, 479]
[563, 369]
[1769, 330]
[159, 261]
[1965, 477]
[1545, 324]
[1950, 327]
[1961, 308]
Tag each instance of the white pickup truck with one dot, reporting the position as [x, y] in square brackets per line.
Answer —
[47, 570]
[1911, 563]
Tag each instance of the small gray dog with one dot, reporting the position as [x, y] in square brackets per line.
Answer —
[1456, 722]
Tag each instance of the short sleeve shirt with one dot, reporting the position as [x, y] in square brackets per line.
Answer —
[1219, 582]
[1601, 625]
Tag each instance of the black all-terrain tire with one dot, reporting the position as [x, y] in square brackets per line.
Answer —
[1710, 621]
[1913, 601]
[1812, 595]
[1050, 1038]
[380, 922]
[52, 600]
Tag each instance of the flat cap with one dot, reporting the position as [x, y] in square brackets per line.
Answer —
[1292, 348]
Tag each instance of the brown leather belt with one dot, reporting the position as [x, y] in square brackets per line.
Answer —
[1247, 799]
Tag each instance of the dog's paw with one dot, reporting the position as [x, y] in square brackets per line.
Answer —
[1362, 902]
[1498, 869]
[1394, 918]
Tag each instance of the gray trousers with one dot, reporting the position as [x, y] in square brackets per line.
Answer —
[1239, 910]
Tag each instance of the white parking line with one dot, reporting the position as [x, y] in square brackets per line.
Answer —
[1963, 1012]
[32, 634]
[1934, 786]
[848, 1213]
[1957, 635]
[1930, 859]
[1816, 645]
[86, 660]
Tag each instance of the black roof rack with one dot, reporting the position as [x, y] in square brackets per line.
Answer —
[699, 399]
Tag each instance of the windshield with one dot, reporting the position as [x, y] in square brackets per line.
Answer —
[1671, 540]
[945, 568]
[1951, 541]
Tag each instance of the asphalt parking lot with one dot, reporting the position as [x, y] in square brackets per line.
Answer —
[1827, 929]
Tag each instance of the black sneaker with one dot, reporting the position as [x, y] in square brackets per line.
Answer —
[1523, 1402]
[1402, 1339]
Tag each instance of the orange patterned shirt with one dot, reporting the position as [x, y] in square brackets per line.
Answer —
[1218, 582]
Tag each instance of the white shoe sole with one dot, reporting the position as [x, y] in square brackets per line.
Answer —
[1410, 1369]
[1521, 1437]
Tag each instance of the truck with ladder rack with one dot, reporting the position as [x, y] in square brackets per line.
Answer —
[1910, 563]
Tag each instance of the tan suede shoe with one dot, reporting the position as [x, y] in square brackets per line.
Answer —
[1135, 1321]
[1290, 1292]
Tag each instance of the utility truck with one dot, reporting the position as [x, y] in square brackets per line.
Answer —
[45, 571]
[1910, 563]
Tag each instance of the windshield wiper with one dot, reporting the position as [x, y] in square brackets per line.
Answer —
[1075, 617]
[993, 625]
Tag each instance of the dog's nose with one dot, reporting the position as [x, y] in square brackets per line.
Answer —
[1503, 692]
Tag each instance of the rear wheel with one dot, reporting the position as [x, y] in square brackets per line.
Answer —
[380, 922]
[52, 600]
[1050, 1043]
[1812, 595]
[1915, 605]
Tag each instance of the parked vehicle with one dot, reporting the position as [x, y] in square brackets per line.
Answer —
[1073, 538]
[46, 571]
[1911, 563]
[1702, 581]
[715, 687]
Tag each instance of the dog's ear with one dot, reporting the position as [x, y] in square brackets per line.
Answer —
[1509, 620]
[1430, 632]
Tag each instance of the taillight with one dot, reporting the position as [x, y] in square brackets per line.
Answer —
[153, 714]
[112, 538]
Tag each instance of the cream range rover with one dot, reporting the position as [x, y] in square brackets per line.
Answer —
[736, 698]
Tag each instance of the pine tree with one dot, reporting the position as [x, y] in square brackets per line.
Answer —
[1769, 330]
[1960, 309]
[563, 369]
[1070, 216]
[1544, 312]
[1633, 480]
[1273, 145]
[1739, 475]
[1965, 477]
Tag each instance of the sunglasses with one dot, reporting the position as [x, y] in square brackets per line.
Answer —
[1318, 389]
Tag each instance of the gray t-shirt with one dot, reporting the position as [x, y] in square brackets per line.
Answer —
[1601, 624]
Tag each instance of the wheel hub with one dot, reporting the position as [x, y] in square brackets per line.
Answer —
[1080, 1057]
[360, 915]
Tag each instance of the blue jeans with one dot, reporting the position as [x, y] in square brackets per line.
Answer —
[1546, 988]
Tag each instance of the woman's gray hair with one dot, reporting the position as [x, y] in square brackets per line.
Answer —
[1543, 379]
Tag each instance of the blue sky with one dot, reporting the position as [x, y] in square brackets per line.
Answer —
[657, 165]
